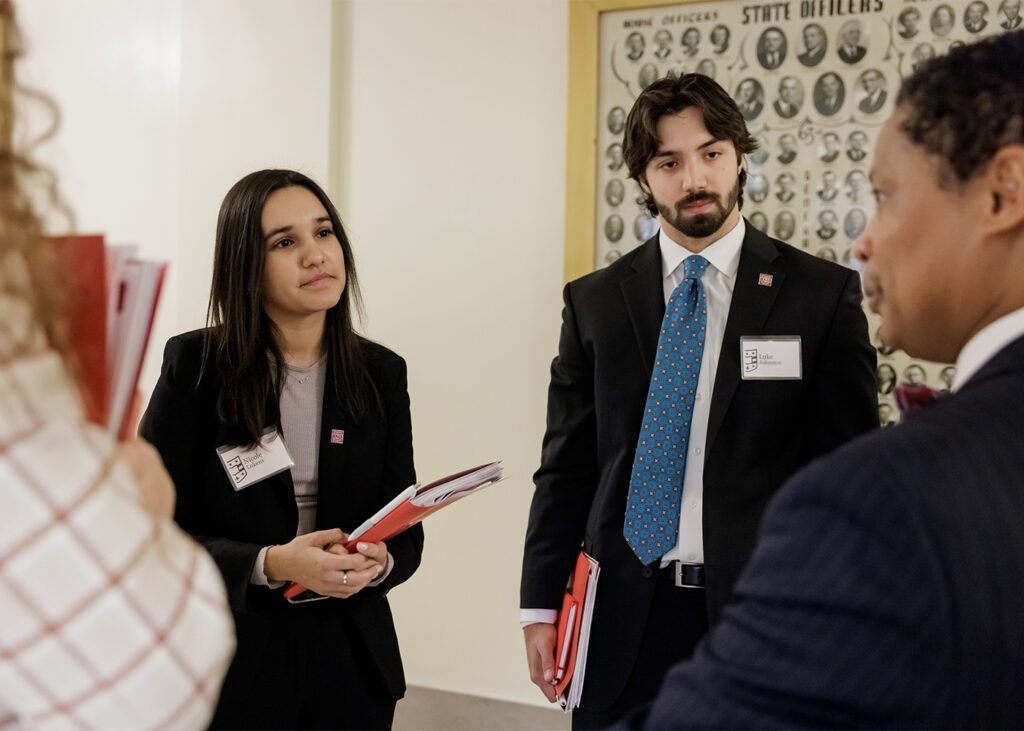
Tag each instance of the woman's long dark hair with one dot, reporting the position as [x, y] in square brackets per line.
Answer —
[240, 335]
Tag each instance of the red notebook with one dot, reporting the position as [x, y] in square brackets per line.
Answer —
[573, 637]
[407, 509]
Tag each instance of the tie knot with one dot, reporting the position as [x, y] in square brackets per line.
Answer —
[694, 266]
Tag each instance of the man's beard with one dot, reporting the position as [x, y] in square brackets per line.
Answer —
[703, 224]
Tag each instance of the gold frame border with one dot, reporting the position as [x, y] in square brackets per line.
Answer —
[581, 134]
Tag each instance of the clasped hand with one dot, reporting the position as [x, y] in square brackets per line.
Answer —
[320, 562]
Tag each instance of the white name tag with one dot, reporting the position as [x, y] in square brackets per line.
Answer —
[248, 465]
[770, 358]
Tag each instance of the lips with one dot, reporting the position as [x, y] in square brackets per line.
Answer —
[317, 279]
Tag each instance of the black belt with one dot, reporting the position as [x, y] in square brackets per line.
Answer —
[687, 575]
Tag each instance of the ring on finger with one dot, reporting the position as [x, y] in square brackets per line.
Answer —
[344, 578]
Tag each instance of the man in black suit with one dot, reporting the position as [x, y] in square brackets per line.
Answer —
[746, 435]
[885, 587]
[750, 97]
[815, 45]
[771, 48]
[850, 49]
[829, 93]
[1010, 10]
[791, 97]
[874, 91]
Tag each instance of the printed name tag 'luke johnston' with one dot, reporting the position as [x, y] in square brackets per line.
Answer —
[770, 358]
[248, 465]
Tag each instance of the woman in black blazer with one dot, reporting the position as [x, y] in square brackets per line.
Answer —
[281, 359]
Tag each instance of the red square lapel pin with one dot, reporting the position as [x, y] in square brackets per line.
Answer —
[337, 436]
[765, 280]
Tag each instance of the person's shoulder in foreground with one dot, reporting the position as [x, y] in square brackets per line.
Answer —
[884, 589]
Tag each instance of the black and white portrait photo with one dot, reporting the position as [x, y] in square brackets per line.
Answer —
[907, 22]
[662, 43]
[791, 97]
[634, 46]
[828, 224]
[828, 191]
[648, 75]
[784, 185]
[613, 156]
[851, 44]
[757, 188]
[914, 373]
[690, 41]
[830, 147]
[826, 253]
[614, 192]
[885, 378]
[613, 227]
[976, 17]
[815, 44]
[854, 222]
[921, 53]
[857, 145]
[759, 221]
[750, 98]
[616, 120]
[771, 48]
[785, 225]
[719, 39]
[787, 149]
[875, 93]
[1009, 14]
[707, 67]
[947, 375]
[829, 93]
[857, 186]
[942, 20]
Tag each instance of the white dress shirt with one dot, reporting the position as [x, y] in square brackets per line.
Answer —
[986, 343]
[719, 281]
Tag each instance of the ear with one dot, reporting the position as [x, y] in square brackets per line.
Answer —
[1004, 190]
[641, 180]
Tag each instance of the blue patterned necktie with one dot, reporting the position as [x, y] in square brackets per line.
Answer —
[651, 527]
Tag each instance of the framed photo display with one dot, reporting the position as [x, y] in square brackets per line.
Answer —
[815, 80]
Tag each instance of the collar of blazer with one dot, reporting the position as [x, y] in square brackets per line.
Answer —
[751, 303]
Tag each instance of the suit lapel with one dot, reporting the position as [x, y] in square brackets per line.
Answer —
[645, 300]
[751, 303]
[335, 426]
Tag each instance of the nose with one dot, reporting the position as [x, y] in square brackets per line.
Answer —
[693, 177]
[312, 254]
[861, 246]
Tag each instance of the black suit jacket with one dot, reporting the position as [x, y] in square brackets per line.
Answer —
[356, 478]
[885, 588]
[759, 432]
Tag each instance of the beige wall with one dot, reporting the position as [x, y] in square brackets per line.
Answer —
[440, 128]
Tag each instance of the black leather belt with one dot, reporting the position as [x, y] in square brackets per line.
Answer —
[687, 575]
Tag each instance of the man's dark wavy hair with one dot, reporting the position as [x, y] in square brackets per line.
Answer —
[671, 95]
[966, 105]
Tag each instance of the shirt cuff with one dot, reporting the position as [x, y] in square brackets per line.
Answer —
[536, 616]
[384, 574]
[258, 577]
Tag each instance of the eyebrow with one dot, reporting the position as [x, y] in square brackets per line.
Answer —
[283, 229]
[669, 153]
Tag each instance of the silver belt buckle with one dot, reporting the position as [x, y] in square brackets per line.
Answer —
[681, 578]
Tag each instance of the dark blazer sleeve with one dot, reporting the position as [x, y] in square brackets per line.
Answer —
[843, 403]
[567, 478]
[178, 423]
[839, 620]
[406, 548]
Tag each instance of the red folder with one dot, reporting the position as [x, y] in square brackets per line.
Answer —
[407, 509]
[573, 637]
[111, 304]
[569, 623]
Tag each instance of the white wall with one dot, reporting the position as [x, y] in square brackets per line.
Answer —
[446, 158]
[453, 185]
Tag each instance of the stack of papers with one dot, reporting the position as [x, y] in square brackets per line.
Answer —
[111, 303]
[574, 631]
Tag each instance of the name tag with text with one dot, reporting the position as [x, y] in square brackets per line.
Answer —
[248, 465]
[775, 358]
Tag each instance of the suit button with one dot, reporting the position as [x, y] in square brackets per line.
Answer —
[647, 572]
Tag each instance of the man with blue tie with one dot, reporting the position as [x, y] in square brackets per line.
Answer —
[693, 375]
[885, 589]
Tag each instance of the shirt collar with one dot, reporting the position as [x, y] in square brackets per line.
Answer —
[986, 343]
[723, 255]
